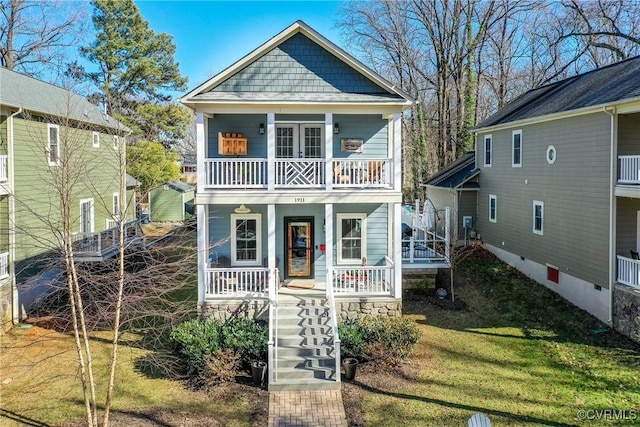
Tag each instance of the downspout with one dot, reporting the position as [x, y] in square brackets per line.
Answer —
[15, 309]
[612, 209]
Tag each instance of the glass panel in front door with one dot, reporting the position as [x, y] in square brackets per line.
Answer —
[299, 249]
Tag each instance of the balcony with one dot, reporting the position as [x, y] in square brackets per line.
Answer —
[104, 244]
[298, 174]
[628, 169]
[629, 272]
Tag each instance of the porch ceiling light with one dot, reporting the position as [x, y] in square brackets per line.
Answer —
[336, 128]
[261, 129]
[242, 209]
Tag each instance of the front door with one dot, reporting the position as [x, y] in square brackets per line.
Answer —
[299, 247]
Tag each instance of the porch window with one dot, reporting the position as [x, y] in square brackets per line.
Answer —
[538, 217]
[493, 207]
[516, 148]
[246, 239]
[53, 145]
[487, 151]
[352, 238]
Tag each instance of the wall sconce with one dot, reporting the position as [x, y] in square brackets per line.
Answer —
[261, 129]
[336, 128]
[324, 226]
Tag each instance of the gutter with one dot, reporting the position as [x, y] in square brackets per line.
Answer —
[15, 302]
[611, 111]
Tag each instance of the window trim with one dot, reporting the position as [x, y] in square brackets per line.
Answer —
[234, 242]
[494, 198]
[489, 138]
[92, 216]
[513, 148]
[57, 128]
[555, 154]
[116, 204]
[95, 142]
[537, 203]
[363, 238]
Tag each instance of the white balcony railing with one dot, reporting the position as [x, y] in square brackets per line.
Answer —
[237, 282]
[629, 169]
[4, 265]
[629, 271]
[4, 173]
[297, 173]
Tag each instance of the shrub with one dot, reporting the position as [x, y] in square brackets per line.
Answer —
[352, 340]
[193, 340]
[220, 366]
[247, 337]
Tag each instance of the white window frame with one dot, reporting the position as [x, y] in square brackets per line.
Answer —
[234, 243]
[116, 142]
[489, 137]
[537, 203]
[551, 149]
[57, 128]
[116, 205]
[95, 140]
[363, 238]
[513, 149]
[91, 215]
[493, 198]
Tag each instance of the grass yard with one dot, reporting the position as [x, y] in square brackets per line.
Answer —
[519, 354]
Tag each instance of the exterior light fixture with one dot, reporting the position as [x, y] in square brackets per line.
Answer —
[336, 128]
[242, 209]
[261, 129]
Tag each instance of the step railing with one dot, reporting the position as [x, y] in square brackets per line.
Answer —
[629, 271]
[629, 169]
[272, 361]
[334, 326]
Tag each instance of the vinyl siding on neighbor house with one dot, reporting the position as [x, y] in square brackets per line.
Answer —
[626, 225]
[168, 204]
[576, 223]
[35, 192]
[629, 134]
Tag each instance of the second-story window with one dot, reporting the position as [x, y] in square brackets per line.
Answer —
[487, 150]
[116, 142]
[53, 145]
[516, 148]
[96, 139]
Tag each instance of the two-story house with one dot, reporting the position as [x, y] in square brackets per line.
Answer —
[559, 189]
[299, 184]
[54, 145]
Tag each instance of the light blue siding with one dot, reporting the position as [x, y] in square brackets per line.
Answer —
[248, 124]
[373, 129]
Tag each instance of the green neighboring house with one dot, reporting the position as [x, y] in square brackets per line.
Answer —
[169, 201]
[49, 136]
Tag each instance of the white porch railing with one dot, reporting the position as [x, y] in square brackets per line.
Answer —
[235, 173]
[370, 280]
[103, 241]
[362, 173]
[629, 169]
[238, 282]
[4, 172]
[4, 265]
[629, 271]
[306, 173]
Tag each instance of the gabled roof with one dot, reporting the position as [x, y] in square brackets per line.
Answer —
[131, 181]
[602, 87]
[178, 186]
[456, 174]
[33, 95]
[285, 85]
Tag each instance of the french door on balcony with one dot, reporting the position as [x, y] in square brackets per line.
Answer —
[299, 247]
[302, 141]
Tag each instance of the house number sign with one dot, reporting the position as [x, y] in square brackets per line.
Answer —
[298, 200]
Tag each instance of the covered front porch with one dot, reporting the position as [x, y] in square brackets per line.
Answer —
[627, 241]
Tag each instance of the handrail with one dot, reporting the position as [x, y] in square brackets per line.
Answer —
[334, 326]
[274, 279]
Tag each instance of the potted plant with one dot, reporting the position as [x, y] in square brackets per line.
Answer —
[350, 364]
[258, 371]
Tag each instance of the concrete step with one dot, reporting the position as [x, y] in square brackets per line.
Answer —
[286, 373]
[304, 384]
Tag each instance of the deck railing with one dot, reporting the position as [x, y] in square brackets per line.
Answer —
[305, 173]
[629, 271]
[4, 265]
[4, 172]
[370, 280]
[235, 173]
[104, 241]
[629, 169]
[238, 282]
[362, 173]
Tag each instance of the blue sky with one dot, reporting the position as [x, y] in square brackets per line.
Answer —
[211, 35]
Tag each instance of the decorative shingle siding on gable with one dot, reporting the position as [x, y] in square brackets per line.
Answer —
[299, 65]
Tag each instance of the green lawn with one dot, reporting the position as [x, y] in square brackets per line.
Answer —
[520, 354]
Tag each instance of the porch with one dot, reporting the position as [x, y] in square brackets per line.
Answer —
[296, 174]
[104, 244]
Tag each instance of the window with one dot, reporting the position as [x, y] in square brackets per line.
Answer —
[96, 139]
[86, 216]
[53, 146]
[538, 217]
[116, 142]
[116, 205]
[551, 154]
[493, 208]
[516, 148]
[487, 150]
[246, 239]
[352, 238]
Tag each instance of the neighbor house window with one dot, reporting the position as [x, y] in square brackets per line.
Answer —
[86, 216]
[487, 150]
[246, 239]
[53, 145]
[551, 154]
[352, 238]
[516, 148]
[116, 142]
[96, 139]
[493, 207]
[538, 217]
[116, 205]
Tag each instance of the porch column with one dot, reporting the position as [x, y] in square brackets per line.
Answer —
[397, 152]
[271, 151]
[328, 150]
[328, 241]
[201, 149]
[397, 250]
[203, 248]
[271, 238]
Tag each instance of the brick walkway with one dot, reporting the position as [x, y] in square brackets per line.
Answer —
[317, 408]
